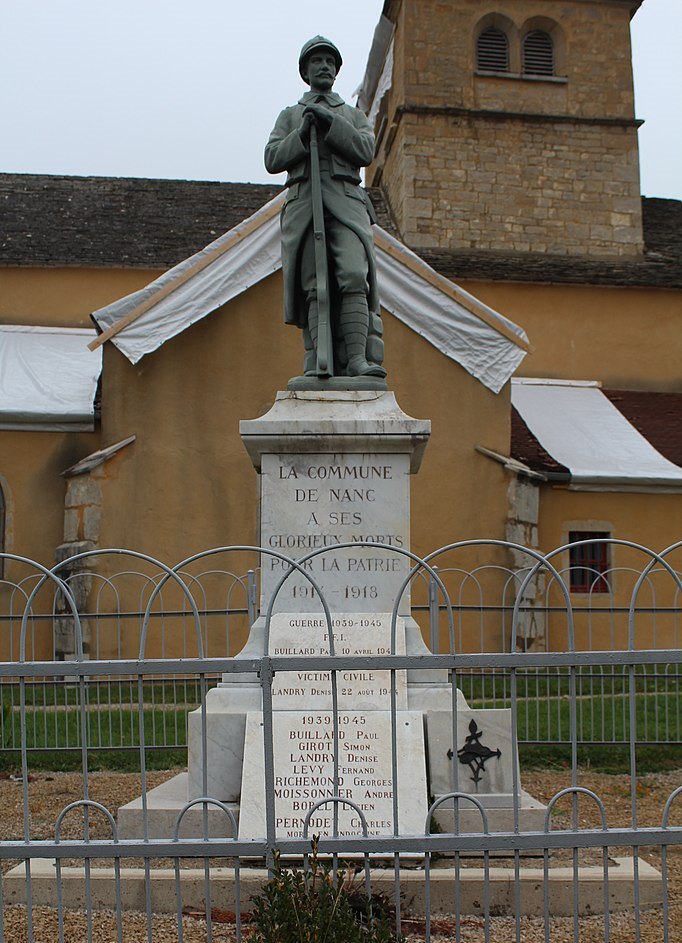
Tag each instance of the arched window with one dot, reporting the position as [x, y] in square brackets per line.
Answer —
[538, 53]
[492, 50]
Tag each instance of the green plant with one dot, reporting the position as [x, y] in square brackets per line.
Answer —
[318, 907]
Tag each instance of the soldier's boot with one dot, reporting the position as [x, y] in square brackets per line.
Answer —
[353, 322]
[310, 361]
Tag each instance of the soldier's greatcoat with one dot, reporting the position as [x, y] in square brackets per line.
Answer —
[347, 146]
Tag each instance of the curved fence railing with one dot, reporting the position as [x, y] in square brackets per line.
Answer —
[106, 654]
[466, 597]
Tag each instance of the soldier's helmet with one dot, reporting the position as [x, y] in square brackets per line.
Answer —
[317, 42]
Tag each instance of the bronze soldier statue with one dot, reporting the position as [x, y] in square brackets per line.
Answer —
[328, 261]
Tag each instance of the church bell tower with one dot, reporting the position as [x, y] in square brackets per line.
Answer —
[507, 126]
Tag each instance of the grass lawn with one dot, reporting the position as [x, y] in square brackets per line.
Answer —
[115, 727]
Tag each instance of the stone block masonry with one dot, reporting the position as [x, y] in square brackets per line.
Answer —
[554, 187]
[512, 162]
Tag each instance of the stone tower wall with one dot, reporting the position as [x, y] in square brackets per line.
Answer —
[511, 162]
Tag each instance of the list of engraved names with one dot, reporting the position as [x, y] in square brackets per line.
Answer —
[353, 634]
[309, 740]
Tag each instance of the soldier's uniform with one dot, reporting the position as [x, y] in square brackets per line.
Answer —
[347, 145]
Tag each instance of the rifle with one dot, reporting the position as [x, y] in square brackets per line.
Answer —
[325, 346]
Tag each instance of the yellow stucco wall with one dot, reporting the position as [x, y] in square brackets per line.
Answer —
[187, 483]
[30, 476]
[652, 520]
[64, 297]
[629, 338]
[31, 463]
[31, 467]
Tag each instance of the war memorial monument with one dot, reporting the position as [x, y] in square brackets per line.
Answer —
[334, 455]
[334, 720]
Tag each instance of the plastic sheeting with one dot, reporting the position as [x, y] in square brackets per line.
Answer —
[450, 326]
[383, 85]
[48, 378]
[253, 258]
[367, 90]
[583, 430]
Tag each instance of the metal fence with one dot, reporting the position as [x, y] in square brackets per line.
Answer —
[602, 862]
[495, 608]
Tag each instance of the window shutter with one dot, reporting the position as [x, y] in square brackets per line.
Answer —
[538, 53]
[492, 51]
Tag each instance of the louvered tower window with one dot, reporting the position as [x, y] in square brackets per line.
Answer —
[492, 51]
[538, 53]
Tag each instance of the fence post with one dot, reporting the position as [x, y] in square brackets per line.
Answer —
[252, 596]
[434, 614]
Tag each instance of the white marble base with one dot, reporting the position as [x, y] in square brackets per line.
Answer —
[226, 709]
[164, 805]
[166, 802]
[129, 888]
[414, 645]
[449, 774]
[337, 465]
[500, 815]
[304, 773]
[334, 469]
[301, 421]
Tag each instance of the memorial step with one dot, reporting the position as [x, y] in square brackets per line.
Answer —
[468, 882]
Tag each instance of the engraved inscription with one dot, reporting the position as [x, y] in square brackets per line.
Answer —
[304, 745]
[353, 634]
[316, 502]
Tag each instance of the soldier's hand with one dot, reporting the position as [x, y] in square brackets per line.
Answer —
[306, 124]
[322, 116]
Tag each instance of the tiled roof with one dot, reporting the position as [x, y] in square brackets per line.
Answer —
[120, 221]
[657, 416]
[526, 448]
[132, 222]
[108, 221]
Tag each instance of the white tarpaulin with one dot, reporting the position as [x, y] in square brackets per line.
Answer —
[383, 86]
[376, 69]
[449, 325]
[48, 378]
[212, 277]
[229, 273]
[584, 431]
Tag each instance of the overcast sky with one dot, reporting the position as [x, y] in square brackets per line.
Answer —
[190, 90]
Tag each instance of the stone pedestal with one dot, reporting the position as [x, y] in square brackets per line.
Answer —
[365, 741]
[334, 473]
[333, 469]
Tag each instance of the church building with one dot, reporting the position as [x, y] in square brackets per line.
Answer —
[531, 300]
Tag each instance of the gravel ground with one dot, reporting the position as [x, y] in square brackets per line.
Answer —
[165, 930]
[50, 792]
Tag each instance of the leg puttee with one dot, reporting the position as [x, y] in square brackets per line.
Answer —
[354, 323]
